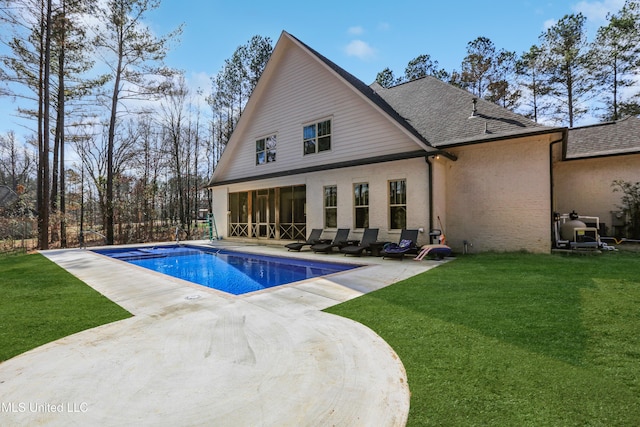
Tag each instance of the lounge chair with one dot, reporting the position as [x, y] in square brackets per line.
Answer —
[369, 236]
[314, 236]
[406, 245]
[341, 237]
[434, 250]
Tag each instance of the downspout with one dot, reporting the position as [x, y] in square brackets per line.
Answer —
[427, 159]
[430, 187]
[551, 181]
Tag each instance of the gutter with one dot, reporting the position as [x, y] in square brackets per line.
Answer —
[338, 165]
[444, 153]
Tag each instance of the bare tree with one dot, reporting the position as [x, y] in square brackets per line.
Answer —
[16, 162]
[174, 123]
[135, 58]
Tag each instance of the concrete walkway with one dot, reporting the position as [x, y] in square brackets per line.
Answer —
[193, 356]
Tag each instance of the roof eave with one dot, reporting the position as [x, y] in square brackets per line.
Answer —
[390, 113]
[602, 155]
[501, 137]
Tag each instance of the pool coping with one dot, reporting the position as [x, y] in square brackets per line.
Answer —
[306, 366]
[207, 247]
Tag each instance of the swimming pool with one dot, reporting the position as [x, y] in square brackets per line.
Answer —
[228, 271]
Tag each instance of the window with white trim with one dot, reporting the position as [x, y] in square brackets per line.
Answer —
[331, 206]
[266, 150]
[398, 204]
[361, 204]
[316, 137]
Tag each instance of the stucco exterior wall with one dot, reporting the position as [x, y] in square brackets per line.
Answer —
[415, 171]
[585, 185]
[498, 197]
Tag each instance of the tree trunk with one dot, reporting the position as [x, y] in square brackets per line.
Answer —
[43, 211]
[61, 135]
[108, 215]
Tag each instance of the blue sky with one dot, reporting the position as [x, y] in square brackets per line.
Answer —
[362, 37]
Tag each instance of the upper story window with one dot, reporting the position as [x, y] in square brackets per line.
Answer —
[266, 150]
[317, 137]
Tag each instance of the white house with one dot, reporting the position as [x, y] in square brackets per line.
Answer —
[318, 148]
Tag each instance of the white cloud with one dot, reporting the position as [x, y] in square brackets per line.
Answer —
[199, 81]
[199, 85]
[357, 30]
[360, 49]
[549, 23]
[384, 26]
[596, 11]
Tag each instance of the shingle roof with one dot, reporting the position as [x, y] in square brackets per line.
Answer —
[437, 113]
[605, 139]
[441, 113]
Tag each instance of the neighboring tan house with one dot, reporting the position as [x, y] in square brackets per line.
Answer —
[318, 148]
[594, 157]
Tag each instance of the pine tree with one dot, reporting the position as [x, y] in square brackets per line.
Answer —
[529, 69]
[502, 90]
[477, 66]
[422, 66]
[233, 86]
[385, 78]
[565, 65]
[614, 60]
[135, 59]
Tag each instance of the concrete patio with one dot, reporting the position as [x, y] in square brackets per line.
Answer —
[195, 356]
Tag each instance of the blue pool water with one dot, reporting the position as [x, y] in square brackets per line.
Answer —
[228, 271]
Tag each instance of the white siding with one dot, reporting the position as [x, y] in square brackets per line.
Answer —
[300, 91]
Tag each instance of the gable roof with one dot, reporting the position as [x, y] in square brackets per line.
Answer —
[367, 91]
[284, 44]
[432, 113]
[442, 114]
[437, 113]
[604, 139]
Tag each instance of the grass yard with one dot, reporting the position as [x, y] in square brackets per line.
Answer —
[41, 302]
[516, 339]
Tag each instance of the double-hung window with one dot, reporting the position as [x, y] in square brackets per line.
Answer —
[331, 206]
[361, 205]
[316, 137]
[397, 204]
[266, 150]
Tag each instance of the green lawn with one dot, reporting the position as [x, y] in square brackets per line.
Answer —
[41, 302]
[516, 339]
